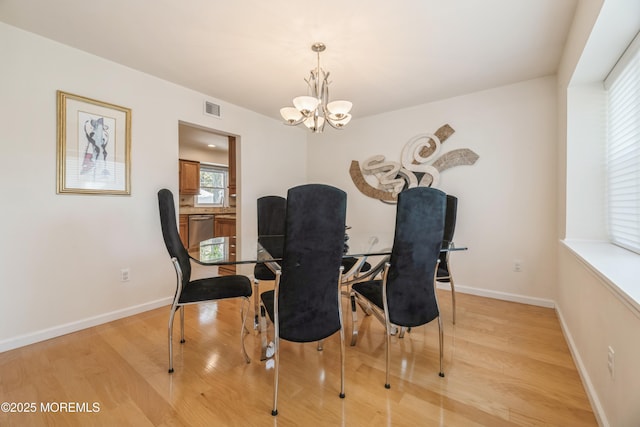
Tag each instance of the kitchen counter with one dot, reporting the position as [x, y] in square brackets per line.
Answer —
[190, 210]
[226, 216]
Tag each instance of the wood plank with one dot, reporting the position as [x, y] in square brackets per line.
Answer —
[506, 364]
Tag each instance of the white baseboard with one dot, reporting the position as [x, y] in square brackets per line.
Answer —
[505, 296]
[584, 375]
[56, 331]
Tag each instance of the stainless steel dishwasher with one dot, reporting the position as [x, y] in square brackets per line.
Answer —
[200, 228]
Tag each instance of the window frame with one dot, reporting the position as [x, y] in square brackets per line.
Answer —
[209, 168]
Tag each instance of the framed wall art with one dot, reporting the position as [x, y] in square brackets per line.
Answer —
[94, 146]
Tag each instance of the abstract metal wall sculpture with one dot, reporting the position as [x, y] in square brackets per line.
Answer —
[420, 165]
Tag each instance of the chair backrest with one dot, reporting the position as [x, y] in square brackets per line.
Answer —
[417, 241]
[449, 227]
[314, 240]
[170, 233]
[450, 217]
[271, 215]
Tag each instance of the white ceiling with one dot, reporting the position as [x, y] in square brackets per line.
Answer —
[192, 136]
[383, 55]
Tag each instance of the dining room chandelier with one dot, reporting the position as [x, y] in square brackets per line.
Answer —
[314, 109]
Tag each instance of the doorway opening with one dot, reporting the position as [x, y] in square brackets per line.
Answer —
[208, 165]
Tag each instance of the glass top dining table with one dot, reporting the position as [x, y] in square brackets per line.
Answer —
[268, 249]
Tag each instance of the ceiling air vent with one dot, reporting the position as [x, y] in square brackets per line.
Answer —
[211, 109]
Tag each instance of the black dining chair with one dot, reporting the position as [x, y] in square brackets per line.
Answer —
[195, 291]
[271, 222]
[406, 295]
[306, 304]
[444, 268]
[271, 219]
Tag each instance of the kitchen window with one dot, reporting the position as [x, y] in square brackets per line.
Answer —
[213, 185]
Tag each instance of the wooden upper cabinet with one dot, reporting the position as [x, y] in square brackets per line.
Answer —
[189, 177]
[232, 169]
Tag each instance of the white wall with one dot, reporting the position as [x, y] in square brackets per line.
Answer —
[592, 315]
[586, 135]
[61, 255]
[596, 318]
[506, 207]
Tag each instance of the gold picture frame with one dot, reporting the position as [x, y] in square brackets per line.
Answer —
[94, 146]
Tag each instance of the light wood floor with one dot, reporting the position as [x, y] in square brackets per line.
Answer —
[506, 364]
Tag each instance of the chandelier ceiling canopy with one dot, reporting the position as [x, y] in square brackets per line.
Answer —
[314, 109]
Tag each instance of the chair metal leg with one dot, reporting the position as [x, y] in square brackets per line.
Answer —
[266, 347]
[182, 324]
[342, 351]
[276, 344]
[388, 356]
[449, 278]
[453, 298]
[256, 296]
[404, 329]
[174, 307]
[441, 344]
[276, 357]
[354, 320]
[171, 317]
[244, 311]
[342, 357]
[366, 308]
[263, 333]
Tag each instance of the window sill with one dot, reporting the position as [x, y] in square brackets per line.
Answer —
[618, 268]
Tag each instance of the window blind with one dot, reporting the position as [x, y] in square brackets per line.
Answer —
[623, 149]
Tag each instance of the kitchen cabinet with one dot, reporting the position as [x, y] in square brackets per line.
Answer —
[184, 229]
[189, 177]
[225, 226]
[232, 171]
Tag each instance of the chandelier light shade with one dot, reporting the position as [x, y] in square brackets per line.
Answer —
[314, 109]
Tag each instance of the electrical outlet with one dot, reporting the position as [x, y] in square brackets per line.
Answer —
[124, 275]
[517, 265]
[611, 358]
